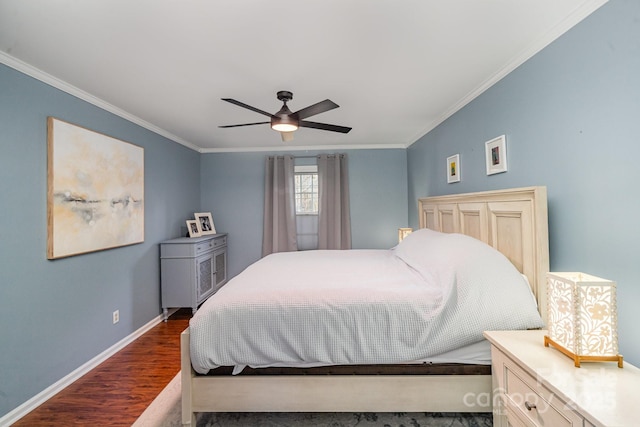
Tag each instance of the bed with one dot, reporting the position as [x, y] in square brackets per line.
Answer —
[512, 221]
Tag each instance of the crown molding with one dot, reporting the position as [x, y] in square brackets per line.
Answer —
[292, 148]
[57, 83]
[550, 36]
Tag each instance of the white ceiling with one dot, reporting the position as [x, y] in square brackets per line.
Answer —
[396, 68]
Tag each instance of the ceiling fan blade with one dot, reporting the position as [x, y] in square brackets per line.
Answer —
[248, 107]
[286, 136]
[317, 108]
[244, 124]
[324, 126]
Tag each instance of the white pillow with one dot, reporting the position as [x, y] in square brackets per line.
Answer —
[472, 274]
[420, 250]
[426, 250]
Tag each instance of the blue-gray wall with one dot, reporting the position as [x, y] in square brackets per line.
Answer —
[232, 188]
[56, 315]
[571, 115]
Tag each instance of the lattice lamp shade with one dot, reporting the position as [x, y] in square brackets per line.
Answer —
[403, 232]
[582, 317]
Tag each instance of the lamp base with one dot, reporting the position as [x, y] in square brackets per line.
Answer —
[577, 358]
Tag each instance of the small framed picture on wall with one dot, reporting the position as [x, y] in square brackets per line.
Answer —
[496, 155]
[453, 168]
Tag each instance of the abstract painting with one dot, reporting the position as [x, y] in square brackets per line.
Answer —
[95, 191]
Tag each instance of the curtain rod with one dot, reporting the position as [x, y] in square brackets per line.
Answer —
[318, 155]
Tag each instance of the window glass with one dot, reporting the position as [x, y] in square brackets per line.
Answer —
[306, 190]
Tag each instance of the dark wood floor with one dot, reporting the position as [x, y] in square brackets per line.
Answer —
[117, 391]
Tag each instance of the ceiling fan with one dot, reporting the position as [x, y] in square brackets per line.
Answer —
[286, 122]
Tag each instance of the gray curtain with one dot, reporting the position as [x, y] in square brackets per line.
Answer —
[334, 222]
[279, 227]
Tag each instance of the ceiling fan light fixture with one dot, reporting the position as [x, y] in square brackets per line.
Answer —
[284, 127]
[286, 122]
[283, 121]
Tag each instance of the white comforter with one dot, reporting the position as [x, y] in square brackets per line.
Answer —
[432, 293]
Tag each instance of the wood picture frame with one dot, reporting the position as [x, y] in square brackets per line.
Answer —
[95, 191]
[453, 168]
[205, 223]
[193, 227]
[496, 155]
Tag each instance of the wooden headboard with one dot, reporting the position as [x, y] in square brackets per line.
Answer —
[513, 221]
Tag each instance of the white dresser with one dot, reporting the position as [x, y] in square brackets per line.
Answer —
[536, 385]
[191, 270]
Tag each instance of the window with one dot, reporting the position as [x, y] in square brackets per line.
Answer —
[306, 190]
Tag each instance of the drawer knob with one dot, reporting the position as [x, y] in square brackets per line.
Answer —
[529, 406]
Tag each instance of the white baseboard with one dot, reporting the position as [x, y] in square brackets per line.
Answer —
[64, 382]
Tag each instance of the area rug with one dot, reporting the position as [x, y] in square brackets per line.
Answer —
[165, 411]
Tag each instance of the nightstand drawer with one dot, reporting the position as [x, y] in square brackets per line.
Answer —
[533, 402]
[513, 418]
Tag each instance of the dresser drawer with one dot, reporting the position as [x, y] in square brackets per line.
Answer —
[534, 403]
[191, 247]
[210, 244]
[203, 247]
[219, 242]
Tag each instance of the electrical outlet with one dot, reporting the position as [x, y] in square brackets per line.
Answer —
[116, 316]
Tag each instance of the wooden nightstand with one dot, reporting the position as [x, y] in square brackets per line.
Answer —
[536, 385]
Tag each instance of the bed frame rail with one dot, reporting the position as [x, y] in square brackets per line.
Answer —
[343, 393]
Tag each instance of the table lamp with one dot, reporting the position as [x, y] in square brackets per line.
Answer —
[582, 317]
[403, 232]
